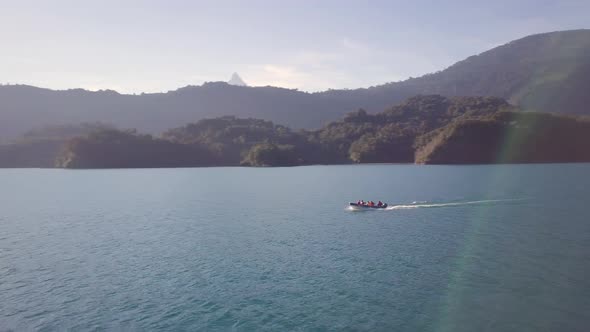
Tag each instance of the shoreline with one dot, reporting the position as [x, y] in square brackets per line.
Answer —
[296, 166]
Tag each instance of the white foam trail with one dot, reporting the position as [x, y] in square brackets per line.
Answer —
[436, 205]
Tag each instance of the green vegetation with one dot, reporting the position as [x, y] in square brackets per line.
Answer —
[39, 147]
[423, 129]
[548, 72]
[112, 148]
[39, 154]
[509, 137]
[229, 138]
[270, 154]
[544, 72]
[390, 136]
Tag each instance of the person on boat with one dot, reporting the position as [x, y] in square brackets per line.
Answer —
[380, 204]
[371, 203]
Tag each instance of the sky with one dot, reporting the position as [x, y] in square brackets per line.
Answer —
[156, 46]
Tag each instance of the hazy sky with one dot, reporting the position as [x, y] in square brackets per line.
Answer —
[149, 46]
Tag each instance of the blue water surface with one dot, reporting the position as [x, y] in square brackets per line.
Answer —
[463, 248]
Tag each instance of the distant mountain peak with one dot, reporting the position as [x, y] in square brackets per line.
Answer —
[236, 80]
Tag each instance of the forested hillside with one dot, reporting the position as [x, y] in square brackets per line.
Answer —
[40, 146]
[547, 72]
[509, 137]
[423, 129]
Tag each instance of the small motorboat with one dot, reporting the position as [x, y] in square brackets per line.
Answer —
[367, 206]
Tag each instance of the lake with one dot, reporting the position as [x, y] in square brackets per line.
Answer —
[463, 248]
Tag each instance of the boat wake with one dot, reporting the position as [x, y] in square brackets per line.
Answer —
[421, 205]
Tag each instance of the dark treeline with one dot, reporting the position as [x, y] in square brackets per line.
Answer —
[548, 72]
[39, 147]
[112, 148]
[423, 129]
[509, 137]
[390, 136]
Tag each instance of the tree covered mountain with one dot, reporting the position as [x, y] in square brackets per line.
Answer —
[25, 107]
[547, 72]
[509, 137]
[390, 136]
[422, 129]
[40, 146]
[229, 138]
[112, 148]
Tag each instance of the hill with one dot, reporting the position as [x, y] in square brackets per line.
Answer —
[40, 146]
[112, 148]
[547, 72]
[423, 129]
[509, 137]
[389, 136]
[25, 107]
[229, 138]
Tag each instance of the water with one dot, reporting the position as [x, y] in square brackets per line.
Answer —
[463, 248]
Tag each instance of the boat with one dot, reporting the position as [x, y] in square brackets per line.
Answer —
[365, 206]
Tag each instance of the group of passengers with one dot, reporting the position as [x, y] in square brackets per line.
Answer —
[370, 203]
